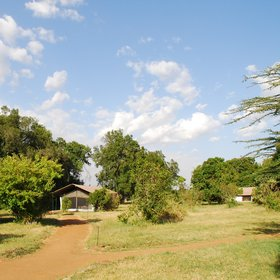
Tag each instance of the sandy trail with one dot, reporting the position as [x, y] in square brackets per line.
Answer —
[64, 253]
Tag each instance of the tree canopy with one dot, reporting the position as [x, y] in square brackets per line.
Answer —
[219, 180]
[117, 159]
[22, 135]
[25, 185]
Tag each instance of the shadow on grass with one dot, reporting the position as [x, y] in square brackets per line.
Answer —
[266, 228]
[49, 222]
[277, 265]
[4, 237]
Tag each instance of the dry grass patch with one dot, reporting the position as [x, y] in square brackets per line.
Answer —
[21, 239]
[243, 261]
[208, 222]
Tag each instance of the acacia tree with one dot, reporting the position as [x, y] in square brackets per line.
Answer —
[25, 185]
[261, 108]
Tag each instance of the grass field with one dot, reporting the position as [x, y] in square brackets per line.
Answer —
[247, 259]
[207, 222]
[19, 239]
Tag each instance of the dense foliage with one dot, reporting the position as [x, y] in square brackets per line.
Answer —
[117, 158]
[104, 199]
[23, 135]
[219, 180]
[25, 185]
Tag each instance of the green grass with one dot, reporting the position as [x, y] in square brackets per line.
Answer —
[207, 222]
[246, 260]
[21, 239]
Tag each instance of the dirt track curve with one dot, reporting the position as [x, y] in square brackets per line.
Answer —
[64, 253]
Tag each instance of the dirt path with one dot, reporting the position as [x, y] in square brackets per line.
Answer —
[64, 253]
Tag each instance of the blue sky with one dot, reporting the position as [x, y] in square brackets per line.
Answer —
[163, 71]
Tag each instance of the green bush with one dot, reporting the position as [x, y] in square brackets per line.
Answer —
[104, 199]
[66, 203]
[268, 194]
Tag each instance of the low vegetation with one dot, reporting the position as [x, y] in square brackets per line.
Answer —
[20, 239]
[244, 257]
[208, 222]
[248, 260]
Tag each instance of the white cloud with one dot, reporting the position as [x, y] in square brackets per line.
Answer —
[19, 55]
[214, 139]
[175, 78]
[26, 73]
[46, 35]
[59, 97]
[71, 2]
[35, 47]
[72, 14]
[182, 130]
[146, 40]
[153, 119]
[43, 8]
[164, 70]
[125, 51]
[56, 81]
[200, 107]
[54, 8]
[10, 31]
[23, 73]
[252, 68]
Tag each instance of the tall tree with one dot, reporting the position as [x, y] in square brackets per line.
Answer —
[117, 158]
[23, 135]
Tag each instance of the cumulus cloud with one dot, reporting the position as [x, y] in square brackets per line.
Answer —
[175, 78]
[155, 120]
[20, 46]
[59, 97]
[56, 81]
[54, 8]
[47, 35]
[35, 47]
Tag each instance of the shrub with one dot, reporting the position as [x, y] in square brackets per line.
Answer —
[268, 194]
[104, 199]
[66, 203]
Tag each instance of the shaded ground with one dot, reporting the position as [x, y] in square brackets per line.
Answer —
[64, 252]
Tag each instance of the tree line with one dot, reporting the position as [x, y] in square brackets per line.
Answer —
[32, 164]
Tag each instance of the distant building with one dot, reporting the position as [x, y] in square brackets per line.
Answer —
[246, 195]
[78, 195]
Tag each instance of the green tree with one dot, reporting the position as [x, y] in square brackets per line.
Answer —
[117, 158]
[25, 185]
[21, 135]
[207, 178]
[155, 198]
